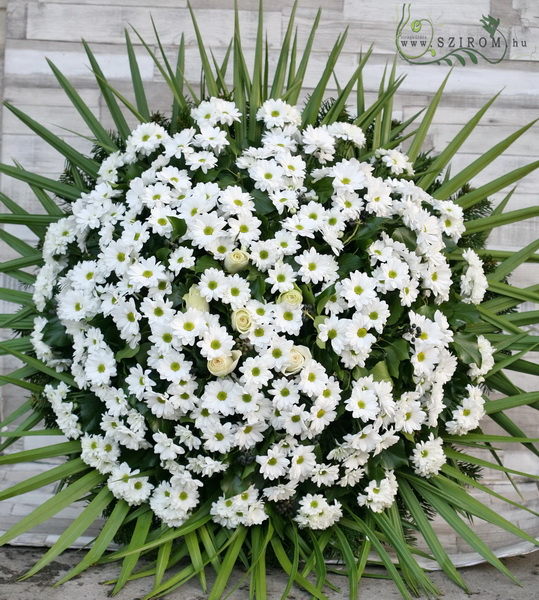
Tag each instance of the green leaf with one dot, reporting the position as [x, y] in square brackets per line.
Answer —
[75, 530]
[211, 83]
[16, 244]
[161, 564]
[228, 563]
[100, 133]
[380, 372]
[421, 134]
[61, 449]
[60, 189]
[455, 522]
[127, 352]
[54, 505]
[504, 404]
[430, 536]
[88, 165]
[283, 61]
[40, 366]
[138, 538]
[101, 543]
[455, 183]
[484, 191]
[138, 86]
[349, 560]
[492, 221]
[114, 110]
[38, 481]
[442, 160]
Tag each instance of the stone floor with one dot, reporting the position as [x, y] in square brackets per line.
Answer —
[485, 582]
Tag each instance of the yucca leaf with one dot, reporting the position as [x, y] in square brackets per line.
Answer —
[492, 221]
[503, 304]
[132, 109]
[88, 165]
[283, 61]
[18, 412]
[349, 560]
[100, 133]
[285, 563]
[219, 75]
[39, 220]
[16, 244]
[31, 421]
[504, 289]
[21, 344]
[47, 202]
[455, 183]
[54, 505]
[357, 524]
[213, 89]
[115, 112]
[369, 115]
[453, 492]
[33, 432]
[498, 321]
[179, 84]
[71, 447]
[457, 455]
[7, 321]
[501, 255]
[16, 297]
[504, 404]
[16, 209]
[443, 159]
[38, 481]
[513, 429]
[138, 538]
[294, 88]
[388, 109]
[484, 191]
[228, 563]
[428, 533]
[509, 360]
[506, 267]
[455, 522]
[255, 93]
[101, 543]
[21, 263]
[524, 366]
[60, 189]
[39, 365]
[74, 531]
[312, 108]
[419, 138]
[470, 482]
[138, 86]
[192, 542]
[161, 564]
[25, 278]
[340, 102]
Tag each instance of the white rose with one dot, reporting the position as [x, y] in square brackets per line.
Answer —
[235, 261]
[242, 320]
[193, 299]
[223, 365]
[293, 297]
[299, 355]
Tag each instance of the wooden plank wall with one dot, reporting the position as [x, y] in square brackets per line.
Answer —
[35, 29]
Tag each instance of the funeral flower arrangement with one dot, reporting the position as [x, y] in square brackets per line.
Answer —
[263, 327]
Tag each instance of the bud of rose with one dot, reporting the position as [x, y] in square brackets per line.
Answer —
[299, 355]
[193, 299]
[223, 365]
[293, 297]
[242, 320]
[235, 261]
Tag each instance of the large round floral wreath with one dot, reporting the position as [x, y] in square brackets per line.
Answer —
[265, 330]
[284, 331]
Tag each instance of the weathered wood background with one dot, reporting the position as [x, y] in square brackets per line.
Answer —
[30, 31]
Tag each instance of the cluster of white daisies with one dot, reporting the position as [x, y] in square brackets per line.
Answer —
[220, 372]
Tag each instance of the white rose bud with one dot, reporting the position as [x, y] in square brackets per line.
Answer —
[235, 261]
[299, 355]
[242, 320]
[293, 297]
[193, 299]
[223, 365]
